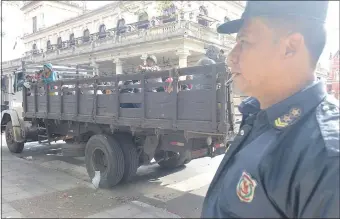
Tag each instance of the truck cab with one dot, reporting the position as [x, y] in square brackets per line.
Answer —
[12, 109]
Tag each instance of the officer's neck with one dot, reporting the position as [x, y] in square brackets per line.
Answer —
[283, 92]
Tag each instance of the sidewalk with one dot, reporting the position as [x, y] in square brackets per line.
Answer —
[30, 190]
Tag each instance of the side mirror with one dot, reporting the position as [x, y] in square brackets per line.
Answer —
[20, 85]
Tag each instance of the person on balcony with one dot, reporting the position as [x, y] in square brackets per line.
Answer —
[221, 57]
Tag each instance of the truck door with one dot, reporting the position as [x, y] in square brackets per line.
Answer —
[16, 97]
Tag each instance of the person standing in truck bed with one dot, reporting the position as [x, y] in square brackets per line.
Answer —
[204, 81]
[284, 162]
[49, 76]
[151, 65]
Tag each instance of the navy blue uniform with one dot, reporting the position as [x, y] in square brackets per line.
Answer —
[284, 162]
[248, 107]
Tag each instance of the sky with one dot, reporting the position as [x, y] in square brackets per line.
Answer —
[13, 26]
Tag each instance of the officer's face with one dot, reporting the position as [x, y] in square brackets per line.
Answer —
[254, 59]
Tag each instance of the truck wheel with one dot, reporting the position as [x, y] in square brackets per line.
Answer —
[14, 147]
[104, 154]
[175, 159]
[131, 157]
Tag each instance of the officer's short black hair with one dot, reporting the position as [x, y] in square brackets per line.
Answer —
[314, 33]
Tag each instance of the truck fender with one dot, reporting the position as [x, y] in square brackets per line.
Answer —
[17, 123]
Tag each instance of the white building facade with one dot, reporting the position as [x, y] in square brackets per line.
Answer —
[176, 35]
[116, 38]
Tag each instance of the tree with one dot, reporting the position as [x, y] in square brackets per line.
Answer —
[136, 8]
[180, 5]
[162, 5]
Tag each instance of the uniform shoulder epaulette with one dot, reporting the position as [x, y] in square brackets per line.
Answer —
[327, 115]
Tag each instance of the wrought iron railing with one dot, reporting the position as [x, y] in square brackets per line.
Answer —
[142, 31]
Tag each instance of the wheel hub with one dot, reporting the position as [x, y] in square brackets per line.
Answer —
[9, 137]
[100, 161]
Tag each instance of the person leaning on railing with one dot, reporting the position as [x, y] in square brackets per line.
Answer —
[151, 65]
[48, 77]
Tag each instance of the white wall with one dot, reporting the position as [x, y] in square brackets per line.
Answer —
[48, 13]
[109, 17]
[57, 13]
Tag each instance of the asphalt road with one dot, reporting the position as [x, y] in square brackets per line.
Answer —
[40, 182]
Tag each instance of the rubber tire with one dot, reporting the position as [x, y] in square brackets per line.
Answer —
[130, 156]
[15, 147]
[173, 162]
[114, 155]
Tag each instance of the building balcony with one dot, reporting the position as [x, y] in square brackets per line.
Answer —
[131, 34]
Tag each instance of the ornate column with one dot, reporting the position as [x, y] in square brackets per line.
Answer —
[95, 65]
[182, 59]
[119, 66]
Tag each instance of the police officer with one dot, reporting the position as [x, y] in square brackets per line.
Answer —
[284, 162]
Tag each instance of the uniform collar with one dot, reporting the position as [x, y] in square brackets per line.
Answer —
[290, 110]
[250, 105]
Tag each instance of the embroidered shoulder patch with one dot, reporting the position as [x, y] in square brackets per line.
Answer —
[245, 189]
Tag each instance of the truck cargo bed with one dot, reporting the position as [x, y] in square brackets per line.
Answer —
[189, 110]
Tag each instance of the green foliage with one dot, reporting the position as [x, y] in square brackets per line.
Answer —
[133, 9]
[162, 5]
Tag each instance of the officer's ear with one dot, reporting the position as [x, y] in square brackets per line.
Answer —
[293, 44]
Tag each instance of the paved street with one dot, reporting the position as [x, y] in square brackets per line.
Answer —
[42, 183]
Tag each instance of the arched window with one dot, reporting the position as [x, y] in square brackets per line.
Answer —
[102, 31]
[86, 35]
[48, 45]
[120, 23]
[202, 20]
[121, 27]
[143, 20]
[203, 11]
[59, 43]
[34, 46]
[71, 39]
[153, 22]
[102, 28]
[143, 16]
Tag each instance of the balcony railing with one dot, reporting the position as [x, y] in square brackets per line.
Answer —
[132, 34]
